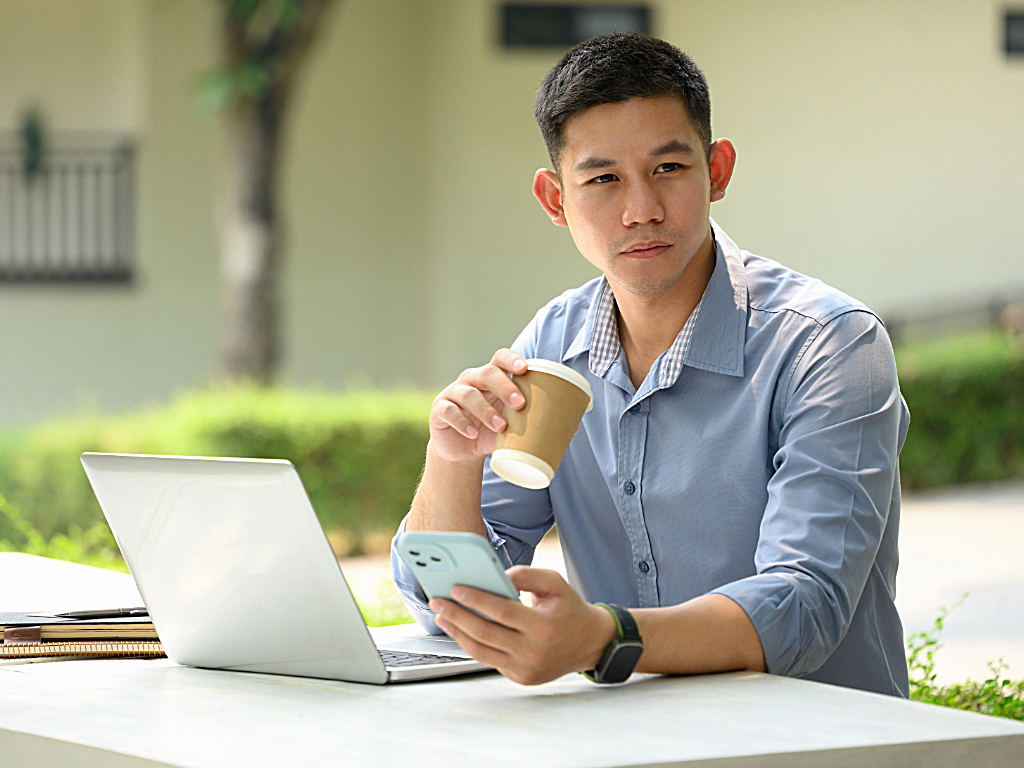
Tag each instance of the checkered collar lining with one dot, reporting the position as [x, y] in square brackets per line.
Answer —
[605, 346]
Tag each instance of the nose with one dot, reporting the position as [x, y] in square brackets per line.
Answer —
[642, 205]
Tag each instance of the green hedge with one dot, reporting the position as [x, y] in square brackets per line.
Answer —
[966, 399]
[359, 455]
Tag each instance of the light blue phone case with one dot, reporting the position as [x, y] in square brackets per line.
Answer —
[441, 560]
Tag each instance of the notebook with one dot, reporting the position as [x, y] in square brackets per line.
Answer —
[81, 649]
[50, 627]
[236, 572]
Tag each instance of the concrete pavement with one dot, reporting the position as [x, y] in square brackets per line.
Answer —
[969, 539]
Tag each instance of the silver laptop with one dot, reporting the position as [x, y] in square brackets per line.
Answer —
[237, 574]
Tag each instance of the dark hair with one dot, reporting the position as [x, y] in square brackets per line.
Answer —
[614, 68]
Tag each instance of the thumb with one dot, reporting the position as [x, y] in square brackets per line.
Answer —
[538, 581]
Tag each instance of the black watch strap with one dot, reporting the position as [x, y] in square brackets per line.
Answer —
[624, 621]
[623, 652]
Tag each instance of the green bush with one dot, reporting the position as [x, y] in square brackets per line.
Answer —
[966, 399]
[94, 546]
[997, 695]
[359, 455]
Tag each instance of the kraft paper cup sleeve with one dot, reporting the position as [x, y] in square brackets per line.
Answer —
[530, 450]
[562, 372]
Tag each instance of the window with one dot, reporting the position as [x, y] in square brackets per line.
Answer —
[537, 25]
[68, 215]
[1014, 38]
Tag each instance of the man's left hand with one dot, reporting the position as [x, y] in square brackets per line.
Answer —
[558, 634]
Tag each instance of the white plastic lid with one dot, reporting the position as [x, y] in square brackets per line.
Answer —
[562, 372]
[521, 468]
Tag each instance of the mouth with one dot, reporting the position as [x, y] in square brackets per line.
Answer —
[647, 250]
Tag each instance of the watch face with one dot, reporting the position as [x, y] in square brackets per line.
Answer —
[622, 662]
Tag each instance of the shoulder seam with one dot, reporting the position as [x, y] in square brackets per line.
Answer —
[844, 310]
[825, 319]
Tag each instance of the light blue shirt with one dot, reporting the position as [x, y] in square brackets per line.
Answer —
[765, 470]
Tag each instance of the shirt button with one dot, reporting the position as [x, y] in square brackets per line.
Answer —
[644, 567]
[635, 409]
[629, 488]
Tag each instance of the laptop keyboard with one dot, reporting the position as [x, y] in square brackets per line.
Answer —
[408, 659]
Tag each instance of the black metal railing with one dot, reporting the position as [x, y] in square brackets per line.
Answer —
[71, 218]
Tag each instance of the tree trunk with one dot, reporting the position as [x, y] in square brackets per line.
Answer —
[251, 241]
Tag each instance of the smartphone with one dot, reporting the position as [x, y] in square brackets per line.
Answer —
[442, 560]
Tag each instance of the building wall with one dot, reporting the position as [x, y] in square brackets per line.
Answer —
[81, 61]
[354, 197]
[495, 258]
[113, 65]
[879, 148]
[880, 143]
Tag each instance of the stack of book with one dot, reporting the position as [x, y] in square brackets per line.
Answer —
[118, 633]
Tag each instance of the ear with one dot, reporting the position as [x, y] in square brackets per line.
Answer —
[548, 191]
[721, 163]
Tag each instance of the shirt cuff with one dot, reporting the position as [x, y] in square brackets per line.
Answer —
[787, 624]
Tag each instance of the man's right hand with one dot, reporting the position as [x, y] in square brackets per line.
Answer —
[465, 418]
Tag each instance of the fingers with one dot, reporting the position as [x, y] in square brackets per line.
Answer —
[527, 645]
[504, 611]
[479, 651]
[509, 361]
[494, 377]
[466, 410]
[454, 618]
[475, 400]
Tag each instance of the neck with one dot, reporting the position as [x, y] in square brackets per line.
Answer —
[648, 325]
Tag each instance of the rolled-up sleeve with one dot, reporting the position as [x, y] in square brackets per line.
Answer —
[842, 422]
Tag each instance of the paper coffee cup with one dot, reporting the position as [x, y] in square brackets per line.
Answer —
[529, 451]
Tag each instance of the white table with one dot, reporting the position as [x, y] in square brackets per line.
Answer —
[146, 713]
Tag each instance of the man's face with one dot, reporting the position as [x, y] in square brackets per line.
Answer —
[636, 191]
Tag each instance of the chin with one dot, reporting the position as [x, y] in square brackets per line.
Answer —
[647, 287]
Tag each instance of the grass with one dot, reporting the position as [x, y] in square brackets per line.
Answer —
[384, 607]
[997, 695]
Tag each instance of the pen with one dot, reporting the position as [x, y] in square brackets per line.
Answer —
[110, 613]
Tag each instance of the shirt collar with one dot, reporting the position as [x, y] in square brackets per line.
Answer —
[712, 338]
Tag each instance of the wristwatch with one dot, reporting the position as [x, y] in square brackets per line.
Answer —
[623, 652]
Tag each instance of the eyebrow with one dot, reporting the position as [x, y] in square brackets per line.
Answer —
[673, 147]
[592, 163]
[669, 148]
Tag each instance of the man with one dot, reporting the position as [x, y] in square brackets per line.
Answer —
[735, 486]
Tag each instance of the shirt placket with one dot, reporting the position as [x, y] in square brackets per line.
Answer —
[632, 441]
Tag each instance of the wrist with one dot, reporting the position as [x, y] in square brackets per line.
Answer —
[605, 630]
[448, 496]
[623, 653]
[473, 465]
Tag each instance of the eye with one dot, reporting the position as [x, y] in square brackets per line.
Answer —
[604, 178]
[666, 167]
